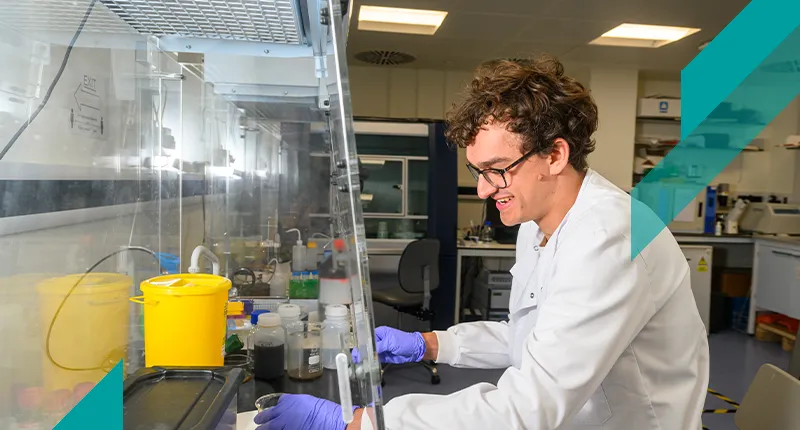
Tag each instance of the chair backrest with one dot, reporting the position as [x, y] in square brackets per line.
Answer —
[771, 402]
[417, 255]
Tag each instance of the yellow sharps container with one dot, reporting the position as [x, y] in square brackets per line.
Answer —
[89, 334]
[185, 320]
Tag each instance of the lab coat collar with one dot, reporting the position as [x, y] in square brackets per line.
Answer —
[583, 200]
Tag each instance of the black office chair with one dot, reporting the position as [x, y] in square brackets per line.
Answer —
[417, 277]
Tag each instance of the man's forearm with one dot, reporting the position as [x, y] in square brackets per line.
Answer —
[431, 346]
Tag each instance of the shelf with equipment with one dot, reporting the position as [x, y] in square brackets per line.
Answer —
[656, 136]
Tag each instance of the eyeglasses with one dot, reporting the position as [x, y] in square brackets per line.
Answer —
[496, 177]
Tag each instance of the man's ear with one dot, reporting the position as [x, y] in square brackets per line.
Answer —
[559, 157]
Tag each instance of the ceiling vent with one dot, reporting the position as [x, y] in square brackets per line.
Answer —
[385, 58]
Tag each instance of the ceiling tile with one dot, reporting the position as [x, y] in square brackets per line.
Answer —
[597, 10]
[711, 15]
[565, 31]
[527, 50]
[475, 26]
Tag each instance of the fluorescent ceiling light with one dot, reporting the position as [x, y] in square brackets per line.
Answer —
[397, 20]
[643, 36]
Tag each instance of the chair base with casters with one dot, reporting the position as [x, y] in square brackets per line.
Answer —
[418, 275]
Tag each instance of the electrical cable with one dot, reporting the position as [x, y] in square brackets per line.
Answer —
[52, 85]
[71, 290]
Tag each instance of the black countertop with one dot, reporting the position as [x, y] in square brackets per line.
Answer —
[325, 387]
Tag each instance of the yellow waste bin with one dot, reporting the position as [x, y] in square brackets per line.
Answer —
[89, 336]
[185, 319]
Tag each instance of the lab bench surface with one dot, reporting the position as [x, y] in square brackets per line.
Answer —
[325, 387]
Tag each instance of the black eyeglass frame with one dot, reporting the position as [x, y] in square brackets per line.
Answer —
[476, 173]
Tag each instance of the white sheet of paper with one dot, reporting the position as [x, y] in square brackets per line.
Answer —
[244, 421]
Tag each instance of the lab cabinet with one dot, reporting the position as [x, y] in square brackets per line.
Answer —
[394, 171]
[699, 259]
[777, 277]
[384, 186]
[138, 132]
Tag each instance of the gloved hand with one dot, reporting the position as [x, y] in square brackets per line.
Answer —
[396, 347]
[302, 412]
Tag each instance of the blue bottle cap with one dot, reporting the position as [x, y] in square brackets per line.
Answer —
[255, 314]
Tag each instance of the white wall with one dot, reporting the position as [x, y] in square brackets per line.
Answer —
[614, 90]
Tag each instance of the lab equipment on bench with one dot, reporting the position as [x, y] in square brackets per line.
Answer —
[279, 284]
[492, 295]
[305, 350]
[734, 216]
[335, 334]
[72, 354]
[771, 218]
[269, 341]
[267, 401]
[184, 320]
[298, 252]
[166, 398]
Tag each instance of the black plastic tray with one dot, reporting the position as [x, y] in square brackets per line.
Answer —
[180, 398]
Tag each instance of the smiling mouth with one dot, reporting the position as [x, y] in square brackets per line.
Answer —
[503, 202]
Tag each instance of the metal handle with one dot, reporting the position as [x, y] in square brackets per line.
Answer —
[345, 397]
[788, 254]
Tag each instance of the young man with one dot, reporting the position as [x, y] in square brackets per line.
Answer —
[594, 339]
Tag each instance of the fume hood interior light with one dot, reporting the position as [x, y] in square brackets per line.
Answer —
[399, 20]
[643, 36]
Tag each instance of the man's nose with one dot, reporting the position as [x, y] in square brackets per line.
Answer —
[485, 189]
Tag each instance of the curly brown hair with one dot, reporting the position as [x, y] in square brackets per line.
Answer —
[535, 100]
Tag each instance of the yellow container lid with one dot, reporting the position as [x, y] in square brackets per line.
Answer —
[93, 283]
[235, 308]
[185, 284]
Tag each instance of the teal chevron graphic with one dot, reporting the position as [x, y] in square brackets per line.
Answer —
[101, 409]
[730, 92]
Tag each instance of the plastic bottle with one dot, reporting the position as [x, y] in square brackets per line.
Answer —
[334, 284]
[718, 228]
[312, 256]
[335, 334]
[298, 253]
[289, 313]
[279, 284]
[269, 344]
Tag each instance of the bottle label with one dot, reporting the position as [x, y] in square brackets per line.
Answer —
[313, 360]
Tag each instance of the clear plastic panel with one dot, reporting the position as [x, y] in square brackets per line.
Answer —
[148, 146]
[83, 188]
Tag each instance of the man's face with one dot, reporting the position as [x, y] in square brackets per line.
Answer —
[527, 197]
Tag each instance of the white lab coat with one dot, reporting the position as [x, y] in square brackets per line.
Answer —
[594, 341]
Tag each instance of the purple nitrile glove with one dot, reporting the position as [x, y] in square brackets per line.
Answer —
[302, 412]
[396, 346]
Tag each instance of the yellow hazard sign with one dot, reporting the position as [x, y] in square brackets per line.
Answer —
[702, 266]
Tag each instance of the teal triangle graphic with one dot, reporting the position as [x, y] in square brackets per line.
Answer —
[729, 93]
[101, 409]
